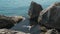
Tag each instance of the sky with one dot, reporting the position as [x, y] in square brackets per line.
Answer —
[21, 3]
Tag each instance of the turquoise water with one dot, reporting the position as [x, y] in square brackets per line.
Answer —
[20, 8]
[22, 11]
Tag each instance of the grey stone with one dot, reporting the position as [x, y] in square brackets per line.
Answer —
[33, 12]
[51, 17]
[9, 21]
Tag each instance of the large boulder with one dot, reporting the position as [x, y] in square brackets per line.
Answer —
[33, 12]
[9, 21]
[50, 17]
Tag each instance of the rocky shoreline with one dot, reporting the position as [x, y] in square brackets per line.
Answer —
[48, 19]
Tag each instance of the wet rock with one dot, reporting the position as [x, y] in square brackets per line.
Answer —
[7, 31]
[9, 21]
[51, 17]
[33, 12]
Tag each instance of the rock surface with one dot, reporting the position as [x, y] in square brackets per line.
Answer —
[8, 22]
[33, 12]
[51, 17]
[52, 31]
[7, 31]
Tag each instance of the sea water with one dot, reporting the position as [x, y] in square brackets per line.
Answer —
[20, 8]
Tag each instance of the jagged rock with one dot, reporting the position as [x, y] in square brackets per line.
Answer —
[33, 12]
[7, 31]
[8, 22]
[51, 16]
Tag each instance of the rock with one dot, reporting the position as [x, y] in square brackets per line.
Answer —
[51, 17]
[8, 22]
[7, 31]
[33, 12]
[43, 29]
[52, 31]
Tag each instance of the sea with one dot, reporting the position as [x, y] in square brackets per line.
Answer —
[20, 8]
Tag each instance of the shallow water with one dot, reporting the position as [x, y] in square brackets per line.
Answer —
[20, 8]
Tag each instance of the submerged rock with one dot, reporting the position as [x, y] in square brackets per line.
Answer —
[8, 22]
[51, 17]
[33, 12]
